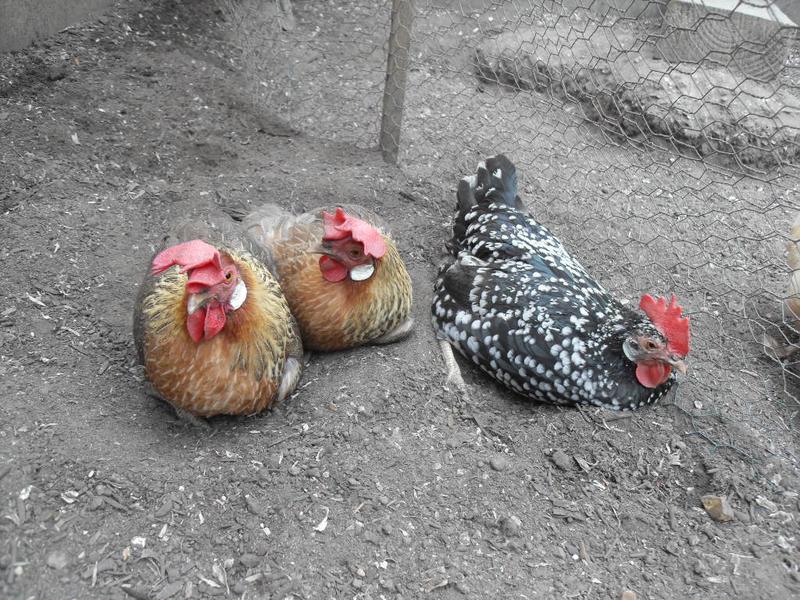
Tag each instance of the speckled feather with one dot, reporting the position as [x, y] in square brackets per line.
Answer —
[242, 369]
[526, 312]
[332, 316]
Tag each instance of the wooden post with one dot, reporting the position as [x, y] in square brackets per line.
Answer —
[394, 90]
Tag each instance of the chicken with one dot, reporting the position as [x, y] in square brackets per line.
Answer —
[521, 308]
[212, 328]
[342, 275]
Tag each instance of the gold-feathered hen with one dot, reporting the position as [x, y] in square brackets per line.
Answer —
[212, 328]
[340, 270]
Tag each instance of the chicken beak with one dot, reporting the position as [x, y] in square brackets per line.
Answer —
[197, 301]
[679, 365]
[324, 248]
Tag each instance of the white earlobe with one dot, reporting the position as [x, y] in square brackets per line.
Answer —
[362, 272]
[239, 295]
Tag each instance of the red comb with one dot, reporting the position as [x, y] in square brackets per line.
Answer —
[669, 320]
[199, 259]
[339, 226]
[189, 255]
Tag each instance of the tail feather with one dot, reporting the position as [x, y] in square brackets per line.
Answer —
[495, 180]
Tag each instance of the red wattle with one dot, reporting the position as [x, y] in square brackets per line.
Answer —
[332, 270]
[652, 374]
[215, 320]
[206, 322]
[195, 323]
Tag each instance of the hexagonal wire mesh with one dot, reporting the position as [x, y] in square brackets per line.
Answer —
[657, 138]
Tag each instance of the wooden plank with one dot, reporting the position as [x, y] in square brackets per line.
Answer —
[751, 37]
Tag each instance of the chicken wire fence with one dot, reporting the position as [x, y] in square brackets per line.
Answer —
[657, 138]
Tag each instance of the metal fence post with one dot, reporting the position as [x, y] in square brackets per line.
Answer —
[394, 90]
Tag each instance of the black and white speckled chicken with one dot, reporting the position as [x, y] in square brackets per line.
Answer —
[527, 313]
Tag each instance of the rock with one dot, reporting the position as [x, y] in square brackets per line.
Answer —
[672, 547]
[254, 506]
[718, 508]
[767, 504]
[169, 590]
[784, 545]
[249, 560]
[511, 526]
[628, 595]
[260, 547]
[57, 560]
[238, 588]
[499, 463]
[561, 460]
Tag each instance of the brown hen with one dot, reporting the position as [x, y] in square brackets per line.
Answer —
[341, 273]
[212, 328]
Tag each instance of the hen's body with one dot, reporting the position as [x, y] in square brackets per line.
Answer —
[341, 314]
[254, 360]
[521, 308]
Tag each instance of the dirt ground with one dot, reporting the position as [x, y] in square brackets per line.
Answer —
[373, 481]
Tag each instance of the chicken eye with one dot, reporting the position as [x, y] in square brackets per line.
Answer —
[649, 345]
[228, 276]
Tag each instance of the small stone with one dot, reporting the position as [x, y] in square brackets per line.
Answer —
[783, 544]
[561, 460]
[766, 503]
[672, 547]
[742, 516]
[628, 595]
[169, 590]
[260, 547]
[238, 588]
[57, 560]
[249, 560]
[718, 508]
[387, 529]
[700, 568]
[358, 583]
[511, 526]
[254, 506]
[499, 463]
[693, 540]
[462, 588]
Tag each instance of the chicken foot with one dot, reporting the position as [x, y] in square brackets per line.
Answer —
[454, 377]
